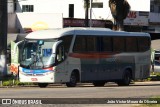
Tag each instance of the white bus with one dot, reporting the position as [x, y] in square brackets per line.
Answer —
[95, 55]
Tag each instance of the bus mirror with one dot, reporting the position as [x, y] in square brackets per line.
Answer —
[40, 42]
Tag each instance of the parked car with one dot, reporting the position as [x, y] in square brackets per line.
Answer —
[156, 66]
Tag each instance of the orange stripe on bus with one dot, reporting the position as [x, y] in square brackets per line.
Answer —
[92, 55]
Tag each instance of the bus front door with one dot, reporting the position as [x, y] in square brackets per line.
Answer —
[60, 62]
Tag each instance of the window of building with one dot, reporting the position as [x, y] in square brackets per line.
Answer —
[15, 6]
[158, 9]
[71, 10]
[97, 5]
[152, 8]
[27, 8]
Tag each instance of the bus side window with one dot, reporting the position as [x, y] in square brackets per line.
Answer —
[143, 44]
[80, 44]
[131, 44]
[118, 44]
[66, 42]
[106, 44]
[60, 53]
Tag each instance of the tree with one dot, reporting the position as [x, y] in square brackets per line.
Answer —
[119, 10]
[3, 35]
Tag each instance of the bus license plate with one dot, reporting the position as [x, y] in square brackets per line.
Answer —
[34, 79]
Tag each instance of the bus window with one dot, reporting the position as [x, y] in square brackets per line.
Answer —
[80, 44]
[131, 44]
[67, 42]
[46, 52]
[85, 44]
[143, 44]
[118, 44]
[106, 44]
[91, 42]
[60, 53]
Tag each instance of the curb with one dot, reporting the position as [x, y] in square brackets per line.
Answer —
[86, 84]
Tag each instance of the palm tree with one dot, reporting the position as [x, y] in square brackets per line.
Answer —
[119, 10]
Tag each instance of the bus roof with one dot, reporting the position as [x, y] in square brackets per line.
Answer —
[57, 33]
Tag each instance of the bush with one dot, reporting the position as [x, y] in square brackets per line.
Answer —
[7, 83]
[12, 82]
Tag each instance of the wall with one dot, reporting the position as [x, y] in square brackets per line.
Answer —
[12, 23]
[139, 5]
[10, 6]
[54, 6]
[137, 18]
[154, 17]
[62, 6]
[27, 22]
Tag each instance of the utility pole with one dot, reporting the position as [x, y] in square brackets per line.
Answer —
[3, 36]
[86, 13]
[90, 22]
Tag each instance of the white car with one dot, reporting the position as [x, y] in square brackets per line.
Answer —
[157, 66]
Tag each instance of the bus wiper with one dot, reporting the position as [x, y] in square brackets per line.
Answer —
[40, 57]
[36, 58]
[33, 60]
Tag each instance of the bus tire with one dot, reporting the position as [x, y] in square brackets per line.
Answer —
[73, 80]
[42, 85]
[98, 84]
[126, 79]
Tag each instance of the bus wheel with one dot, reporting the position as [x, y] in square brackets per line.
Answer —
[42, 85]
[98, 84]
[73, 80]
[126, 79]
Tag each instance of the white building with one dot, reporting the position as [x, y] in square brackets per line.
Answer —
[25, 9]
[76, 9]
[69, 8]
[154, 16]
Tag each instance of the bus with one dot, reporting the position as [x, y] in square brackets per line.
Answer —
[85, 55]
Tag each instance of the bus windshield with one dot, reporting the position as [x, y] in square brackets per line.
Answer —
[37, 54]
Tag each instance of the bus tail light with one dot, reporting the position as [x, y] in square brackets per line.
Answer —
[51, 68]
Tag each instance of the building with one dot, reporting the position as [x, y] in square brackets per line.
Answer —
[154, 16]
[68, 9]
[139, 19]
